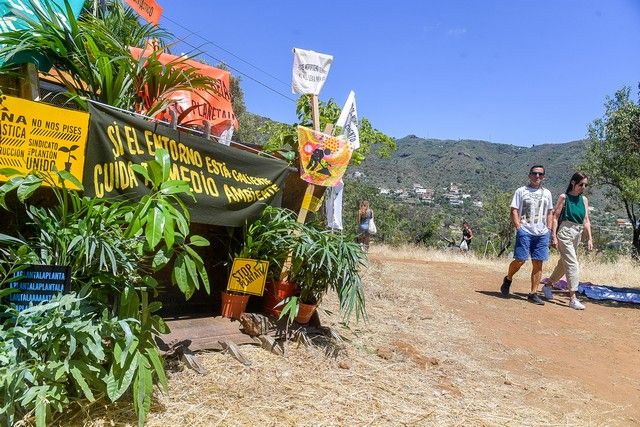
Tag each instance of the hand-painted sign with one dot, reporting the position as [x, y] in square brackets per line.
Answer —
[37, 136]
[11, 12]
[324, 158]
[200, 106]
[230, 185]
[149, 10]
[248, 276]
[310, 70]
[39, 283]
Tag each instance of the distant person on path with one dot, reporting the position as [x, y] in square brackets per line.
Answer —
[365, 215]
[570, 219]
[532, 216]
[467, 235]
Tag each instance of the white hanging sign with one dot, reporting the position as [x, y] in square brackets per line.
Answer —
[310, 70]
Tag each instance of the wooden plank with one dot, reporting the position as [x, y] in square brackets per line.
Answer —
[203, 333]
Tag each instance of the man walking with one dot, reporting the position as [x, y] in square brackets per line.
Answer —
[532, 215]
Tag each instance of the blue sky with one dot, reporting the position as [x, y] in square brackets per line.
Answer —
[510, 71]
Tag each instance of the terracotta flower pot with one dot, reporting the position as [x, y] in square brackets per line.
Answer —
[274, 293]
[305, 311]
[233, 305]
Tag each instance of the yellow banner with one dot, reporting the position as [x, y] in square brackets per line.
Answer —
[324, 158]
[248, 276]
[37, 136]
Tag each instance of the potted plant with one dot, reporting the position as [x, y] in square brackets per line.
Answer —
[271, 238]
[322, 261]
[305, 262]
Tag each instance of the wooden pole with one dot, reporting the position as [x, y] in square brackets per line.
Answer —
[308, 194]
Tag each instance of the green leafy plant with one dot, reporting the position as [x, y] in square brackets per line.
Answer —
[317, 260]
[113, 249]
[92, 58]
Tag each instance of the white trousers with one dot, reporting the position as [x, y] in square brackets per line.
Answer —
[569, 234]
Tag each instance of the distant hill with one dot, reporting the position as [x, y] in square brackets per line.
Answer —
[475, 165]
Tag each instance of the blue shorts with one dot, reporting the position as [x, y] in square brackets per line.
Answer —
[530, 245]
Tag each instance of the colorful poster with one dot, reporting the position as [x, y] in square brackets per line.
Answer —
[310, 70]
[324, 158]
[149, 10]
[230, 186]
[37, 136]
[11, 12]
[200, 106]
[348, 121]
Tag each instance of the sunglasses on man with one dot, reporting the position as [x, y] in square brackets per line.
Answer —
[536, 173]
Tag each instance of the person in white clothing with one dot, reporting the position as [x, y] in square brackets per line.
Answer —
[532, 216]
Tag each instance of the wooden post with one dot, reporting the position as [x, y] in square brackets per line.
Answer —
[308, 194]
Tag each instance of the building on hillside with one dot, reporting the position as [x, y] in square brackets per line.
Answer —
[384, 191]
[477, 203]
[623, 223]
[454, 188]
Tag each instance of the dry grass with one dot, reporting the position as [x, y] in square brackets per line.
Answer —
[412, 363]
[623, 273]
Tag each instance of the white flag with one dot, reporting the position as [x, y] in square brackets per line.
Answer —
[333, 206]
[348, 121]
[310, 70]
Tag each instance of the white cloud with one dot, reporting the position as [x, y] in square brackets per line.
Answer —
[456, 32]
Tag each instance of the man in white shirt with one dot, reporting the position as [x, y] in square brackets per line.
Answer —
[532, 216]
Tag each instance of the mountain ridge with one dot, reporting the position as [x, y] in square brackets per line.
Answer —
[478, 166]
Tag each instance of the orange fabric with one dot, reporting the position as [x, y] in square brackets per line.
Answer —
[215, 108]
[149, 10]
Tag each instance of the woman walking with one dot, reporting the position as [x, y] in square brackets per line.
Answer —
[467, 235]
[365, 215]
[571, 217]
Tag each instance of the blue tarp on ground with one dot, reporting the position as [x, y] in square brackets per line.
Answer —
[609, 293]
[600, 292]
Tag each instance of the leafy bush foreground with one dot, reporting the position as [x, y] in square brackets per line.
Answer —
[98, 340]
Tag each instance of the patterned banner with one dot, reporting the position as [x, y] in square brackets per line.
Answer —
[324, 158]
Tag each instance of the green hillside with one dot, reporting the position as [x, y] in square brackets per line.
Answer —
[475, 165]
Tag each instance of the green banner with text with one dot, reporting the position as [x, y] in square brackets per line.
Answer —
[230, 185]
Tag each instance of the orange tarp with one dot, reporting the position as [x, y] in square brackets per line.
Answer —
[149, 10]
[214, 108]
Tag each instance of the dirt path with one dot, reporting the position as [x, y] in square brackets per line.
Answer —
[593, 355]
[440, 348]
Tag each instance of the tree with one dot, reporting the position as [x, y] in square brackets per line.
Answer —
[497, 219]
[613, 155]
[284, 138]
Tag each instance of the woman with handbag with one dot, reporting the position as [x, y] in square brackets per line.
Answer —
[467, 235]
[365, 223]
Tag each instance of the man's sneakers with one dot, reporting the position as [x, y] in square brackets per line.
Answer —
[534, 298]
[548, 295]
[576, 304]
[504, 289]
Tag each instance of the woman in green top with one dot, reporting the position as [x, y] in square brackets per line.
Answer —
[571, 217]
